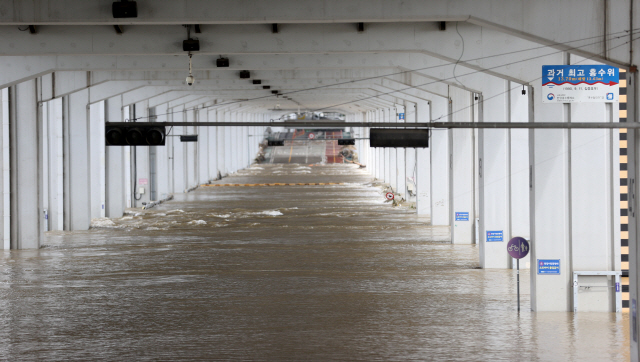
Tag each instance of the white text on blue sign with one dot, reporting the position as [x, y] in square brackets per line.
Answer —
[549, 266]
[462, 216]
[580, 83]
[494, 235]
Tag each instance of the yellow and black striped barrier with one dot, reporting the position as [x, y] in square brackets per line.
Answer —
[624, 194]
[276, 184]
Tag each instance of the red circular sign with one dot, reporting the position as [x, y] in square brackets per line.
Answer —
[312, 136]
[390, 196]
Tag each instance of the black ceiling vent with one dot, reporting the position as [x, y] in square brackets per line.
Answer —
[266, 87]
[274, 92]
[222, 62]
[191, 45]
[257, 81]
[245, 74]
[124, 9]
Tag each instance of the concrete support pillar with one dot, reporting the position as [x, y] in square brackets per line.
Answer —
[203, 147]
[163, 159]
[5, 158]
[221, 147]
[399, 172]
[422, 168]
[411, 167]
[178, 154]
[54, 164]
[462, 192]
[191, 151]
[572, 204]
[386, 117]
[212, 145]
[519, 170]
[441, 165]
[77, 205]
[97, 158]
[494, 177]
[141, 162]
[116, 195]
[25, 140]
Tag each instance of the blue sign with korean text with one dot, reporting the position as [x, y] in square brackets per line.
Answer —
[580, 83]
[494, 236]
[462, 216]
[549, 266]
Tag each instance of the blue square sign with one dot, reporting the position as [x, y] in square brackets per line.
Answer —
[462, 216]
[494, 236]
[549, 266]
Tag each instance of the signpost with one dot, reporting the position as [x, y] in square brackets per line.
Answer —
[518, 248]
[390, 196]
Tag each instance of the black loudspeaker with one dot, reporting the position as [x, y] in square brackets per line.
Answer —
[222, 62]
[124, 9]
[189, 138]
[136, 134]
[399, 138]
[245, 74]
[257, 81]
[346, 142]
[275, 143]
[191, 45]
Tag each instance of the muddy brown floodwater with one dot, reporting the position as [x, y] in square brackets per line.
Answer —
[279, 273]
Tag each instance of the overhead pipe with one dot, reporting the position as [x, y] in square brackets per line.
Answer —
[470, 125]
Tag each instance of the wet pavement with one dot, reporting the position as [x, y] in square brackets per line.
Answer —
[280, 273]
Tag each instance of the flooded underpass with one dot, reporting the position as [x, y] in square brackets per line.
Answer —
[271, 273]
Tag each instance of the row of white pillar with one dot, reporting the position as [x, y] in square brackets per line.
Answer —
[58, 174]
[557, 188]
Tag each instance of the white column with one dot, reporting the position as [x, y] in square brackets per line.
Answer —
[26, 226]
[422, 171]
[116, 194]
[142, 170]
[179, 166]
[462, 175]
[519, 170]
[212, 145]
[163, 162]
[401, 167]
[221, 146]
[97, 159]
[203, 148]
[6, 170]
[76, 162]
[494, 178]
[441, 166]
[190, 149]
[55, 174]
